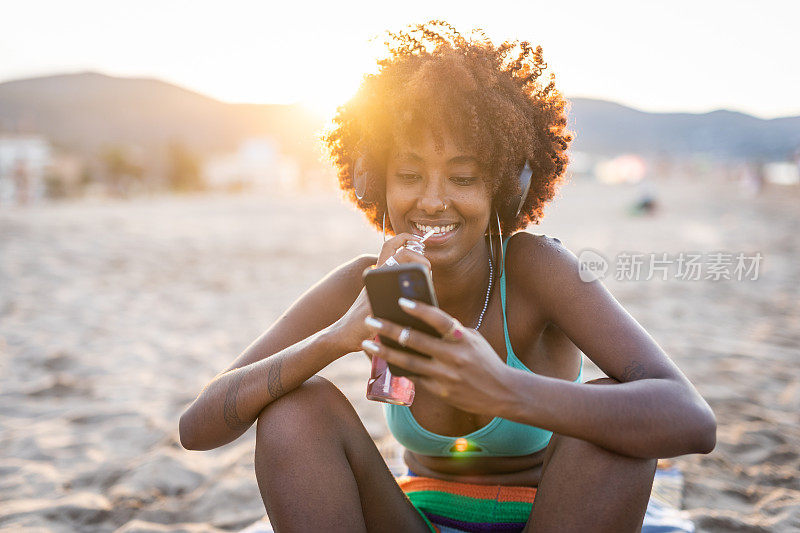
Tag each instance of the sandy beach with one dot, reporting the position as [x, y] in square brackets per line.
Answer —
[114, 314]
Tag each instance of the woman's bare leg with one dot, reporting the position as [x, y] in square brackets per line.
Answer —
[588, 488]
[319, 470]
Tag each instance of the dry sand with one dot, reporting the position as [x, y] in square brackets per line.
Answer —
[113, 316]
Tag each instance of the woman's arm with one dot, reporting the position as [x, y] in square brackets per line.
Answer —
[233, 400]
[647, 418]
[653, 412]
[301, 342]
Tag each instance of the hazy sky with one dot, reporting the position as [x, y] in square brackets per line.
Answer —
[654, 55]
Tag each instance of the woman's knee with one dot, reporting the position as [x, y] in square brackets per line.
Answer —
[580, 448]
[593, 457]
[305, 410]
[600, 487]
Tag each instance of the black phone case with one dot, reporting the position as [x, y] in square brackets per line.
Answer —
[385, 285]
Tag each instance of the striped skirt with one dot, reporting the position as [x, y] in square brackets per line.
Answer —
[450, 507]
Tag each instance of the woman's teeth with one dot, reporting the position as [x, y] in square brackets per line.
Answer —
[437, 230]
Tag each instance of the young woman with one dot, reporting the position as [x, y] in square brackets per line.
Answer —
[502, 434]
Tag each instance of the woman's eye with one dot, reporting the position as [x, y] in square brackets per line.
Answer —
[407, 176]
[463, 180]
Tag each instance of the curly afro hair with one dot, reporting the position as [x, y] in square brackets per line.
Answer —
[492, 105]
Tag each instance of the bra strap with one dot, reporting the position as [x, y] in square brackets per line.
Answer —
[509, 350]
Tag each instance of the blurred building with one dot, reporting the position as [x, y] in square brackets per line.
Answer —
[24, 161]
[256, 165]
[782, 173]
[628, 168]
[67, 176]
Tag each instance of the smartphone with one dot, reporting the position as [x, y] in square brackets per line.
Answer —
[385, 285]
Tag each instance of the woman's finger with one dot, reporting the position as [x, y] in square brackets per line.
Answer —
[415, 339]
[404, 255]
[438, 319]
[400, 239]
[392, 245]
[413, 363]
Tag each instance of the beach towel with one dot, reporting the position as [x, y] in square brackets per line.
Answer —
[664, 514]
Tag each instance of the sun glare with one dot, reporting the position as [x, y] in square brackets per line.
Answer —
[325, 102]
[336, 82]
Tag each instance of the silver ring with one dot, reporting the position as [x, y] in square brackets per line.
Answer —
[415, 246]
[391, 261]
[402, 339]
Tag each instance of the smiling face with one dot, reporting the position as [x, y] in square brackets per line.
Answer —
[443, 190]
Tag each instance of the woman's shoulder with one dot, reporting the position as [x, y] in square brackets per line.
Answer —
[522, 238]
[528, 251]
[540, 264]
[545, 268]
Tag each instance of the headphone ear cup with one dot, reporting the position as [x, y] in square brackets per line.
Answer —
[360, 178]
[524, 186]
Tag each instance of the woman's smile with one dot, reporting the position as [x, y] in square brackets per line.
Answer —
[443, 231]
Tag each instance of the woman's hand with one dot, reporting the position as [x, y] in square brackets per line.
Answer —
[350, 328]
[394, 247]
[464, 370]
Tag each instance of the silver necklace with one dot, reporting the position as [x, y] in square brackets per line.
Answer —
[488, 291]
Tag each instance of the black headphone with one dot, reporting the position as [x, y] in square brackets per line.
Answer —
[360, 179]
[524, 179]
[361, 184]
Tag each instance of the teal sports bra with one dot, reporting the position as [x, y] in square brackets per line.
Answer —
[498, 438]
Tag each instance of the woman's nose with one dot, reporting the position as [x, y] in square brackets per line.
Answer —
[432, 200]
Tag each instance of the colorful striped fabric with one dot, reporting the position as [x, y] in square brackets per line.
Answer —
[453, 507]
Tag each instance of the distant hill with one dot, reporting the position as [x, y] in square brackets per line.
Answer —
[85, 111]
[609, 128]
[82, 112]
